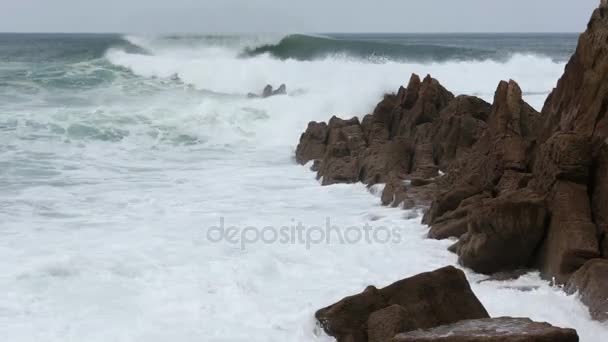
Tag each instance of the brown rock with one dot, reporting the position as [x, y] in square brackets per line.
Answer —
[423, 107]
[429, 299]
[580, 100]
[503, 233]
[345, 142]
[449, 201]
[458, 128]
[456, 222]
[564, 156]
[504, 329]
[599, 199]
[590, 281]
[346, 320]
[511, 181]
[379, 161]
[312, 143]
[384, 324]
[571, 238]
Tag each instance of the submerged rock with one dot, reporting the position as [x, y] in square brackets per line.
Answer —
[503, 329]
[269, 91]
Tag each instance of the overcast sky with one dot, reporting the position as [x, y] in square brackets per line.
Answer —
[204, 16]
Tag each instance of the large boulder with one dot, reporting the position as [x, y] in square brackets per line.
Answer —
[590, 282]
[503, 233]
[424, 301]
[504, 329]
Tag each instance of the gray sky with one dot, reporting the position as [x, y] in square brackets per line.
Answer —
[175, 16]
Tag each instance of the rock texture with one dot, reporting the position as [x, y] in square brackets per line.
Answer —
[590, 283]
[423, 301]
[504, 329]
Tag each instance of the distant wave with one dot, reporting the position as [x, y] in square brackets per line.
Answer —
[306, 47]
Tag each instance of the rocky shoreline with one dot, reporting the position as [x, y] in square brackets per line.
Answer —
[518, 188]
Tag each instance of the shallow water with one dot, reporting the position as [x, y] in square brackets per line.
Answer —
[114, 174]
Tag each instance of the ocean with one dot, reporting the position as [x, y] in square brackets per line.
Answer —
[145, 197]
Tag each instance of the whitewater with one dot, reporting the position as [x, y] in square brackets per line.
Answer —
[116, 164]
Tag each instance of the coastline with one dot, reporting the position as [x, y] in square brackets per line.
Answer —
[520, 189]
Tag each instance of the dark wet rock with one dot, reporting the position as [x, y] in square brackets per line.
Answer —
[590, 281]
[503, 329]
[269, 91]
[282, 90]
[599, 197]
[424, 301]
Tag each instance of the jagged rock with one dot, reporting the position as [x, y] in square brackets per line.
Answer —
[503, 329]
[458, 128]
[429, 300]
[503, 233]
[571, 237]
[502, 148]
[590, 283]
[580, 100]
[422, 107]
[312, 143]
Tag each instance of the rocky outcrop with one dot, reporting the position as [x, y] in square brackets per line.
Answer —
[420, 302]
[519, 188]
[590, 283]
[504, 329]
[403, 143]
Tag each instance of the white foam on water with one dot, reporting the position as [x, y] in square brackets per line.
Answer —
[107, 204]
